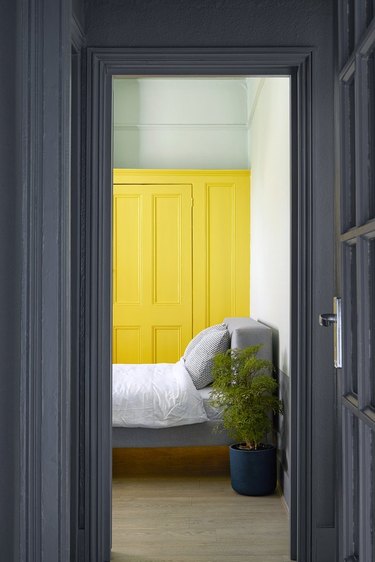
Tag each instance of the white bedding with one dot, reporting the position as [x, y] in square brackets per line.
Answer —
[156, 395]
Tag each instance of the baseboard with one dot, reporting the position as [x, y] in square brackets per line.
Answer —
[171, 461]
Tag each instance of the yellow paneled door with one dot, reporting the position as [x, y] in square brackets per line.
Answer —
[152, 271]
[181, 258]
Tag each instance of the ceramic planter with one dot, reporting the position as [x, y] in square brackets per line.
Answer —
[253, 473]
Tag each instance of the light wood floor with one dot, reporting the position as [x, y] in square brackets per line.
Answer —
[187, 511]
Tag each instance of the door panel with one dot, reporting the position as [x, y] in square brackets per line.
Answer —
[355, 282]
[127, 344]
[152, 269]
[221, 240]
[165, 340]
[127, 248]
[221, 246]
[167, 254]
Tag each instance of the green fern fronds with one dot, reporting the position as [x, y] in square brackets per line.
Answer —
[245, 391]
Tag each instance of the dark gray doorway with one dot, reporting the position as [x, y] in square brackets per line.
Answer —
[356, 280]
[312, 522]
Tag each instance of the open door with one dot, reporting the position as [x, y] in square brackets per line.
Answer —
[356, 285]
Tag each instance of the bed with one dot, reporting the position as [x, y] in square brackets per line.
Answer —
[243, 332]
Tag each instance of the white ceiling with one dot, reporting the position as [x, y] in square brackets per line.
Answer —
[142, 102]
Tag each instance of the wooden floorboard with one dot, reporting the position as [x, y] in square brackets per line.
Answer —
[184, 515]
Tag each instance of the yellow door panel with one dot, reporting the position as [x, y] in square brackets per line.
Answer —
[221, 247]
[127, 344]
[166, 339]
[176, 268]
[152, 305]
[127, 249]
[168, 253]
[220, 252]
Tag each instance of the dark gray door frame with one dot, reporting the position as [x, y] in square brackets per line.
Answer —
[102, 65]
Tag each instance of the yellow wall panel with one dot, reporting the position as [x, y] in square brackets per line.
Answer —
[166, 339]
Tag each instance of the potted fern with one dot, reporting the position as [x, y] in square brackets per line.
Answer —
[245, 391]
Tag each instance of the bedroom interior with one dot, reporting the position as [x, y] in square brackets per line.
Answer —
[201, 237]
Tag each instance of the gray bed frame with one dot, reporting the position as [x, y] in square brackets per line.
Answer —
[244, 332]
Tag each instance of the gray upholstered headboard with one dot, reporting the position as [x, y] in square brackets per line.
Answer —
[246, 331]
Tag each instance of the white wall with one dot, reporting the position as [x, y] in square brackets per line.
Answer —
[269, 145]
[196, 123]
[269, 133]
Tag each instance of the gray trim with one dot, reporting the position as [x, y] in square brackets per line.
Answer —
[283, 437]
[102, 65]
[98, 313]
[45, 348]
[297, 274]
[78, 456]
[10, 279]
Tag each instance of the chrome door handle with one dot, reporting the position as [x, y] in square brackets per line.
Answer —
[334, 319]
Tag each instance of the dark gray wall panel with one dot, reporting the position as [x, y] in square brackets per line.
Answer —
[10, 286]
[78, 12]
[172, 23]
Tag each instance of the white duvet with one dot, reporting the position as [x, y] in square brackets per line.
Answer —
[160, 395]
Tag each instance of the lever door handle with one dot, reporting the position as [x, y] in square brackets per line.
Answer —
[327, 319]
[334, 319]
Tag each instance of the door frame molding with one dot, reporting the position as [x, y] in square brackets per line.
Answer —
[44, 161]
[102, 65]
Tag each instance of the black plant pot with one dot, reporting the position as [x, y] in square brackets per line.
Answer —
[253, 473]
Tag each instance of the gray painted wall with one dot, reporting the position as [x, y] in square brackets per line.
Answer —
[10, 285]
[171, 23]
[78, 11]
[168, 23]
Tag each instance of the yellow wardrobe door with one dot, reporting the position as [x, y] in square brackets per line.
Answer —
[221, 246]
[152, 272]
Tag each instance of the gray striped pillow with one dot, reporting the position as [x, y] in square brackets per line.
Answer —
[191, 345]
[200, 359]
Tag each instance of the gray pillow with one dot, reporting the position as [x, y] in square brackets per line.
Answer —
[200, 359]
[191, 345]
